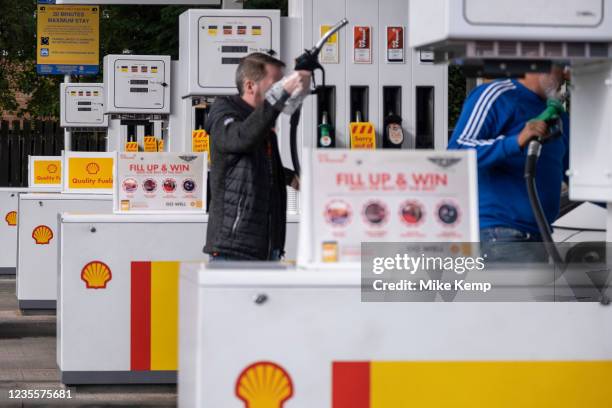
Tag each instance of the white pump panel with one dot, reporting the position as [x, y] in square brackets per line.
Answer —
[137, 84]
[82, 105]
[440, 21]
[212, 42]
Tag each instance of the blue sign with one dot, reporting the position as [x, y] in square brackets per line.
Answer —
[56, 69]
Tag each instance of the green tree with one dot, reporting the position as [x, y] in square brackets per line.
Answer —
[18, 59]
[456, 93]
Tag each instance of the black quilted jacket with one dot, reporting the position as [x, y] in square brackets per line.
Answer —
[247, 213]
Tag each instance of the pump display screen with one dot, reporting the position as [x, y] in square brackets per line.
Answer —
[234, 48]
[230, 61]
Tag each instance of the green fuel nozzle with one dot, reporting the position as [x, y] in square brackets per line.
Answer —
[553, 111]
[552, 116]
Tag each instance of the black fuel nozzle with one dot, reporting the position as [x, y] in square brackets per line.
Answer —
[309, 60]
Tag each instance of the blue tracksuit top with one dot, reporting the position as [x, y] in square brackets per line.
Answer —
[493, 116]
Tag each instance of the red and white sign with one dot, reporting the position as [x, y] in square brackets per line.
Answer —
[395, 196]
[160, 183]
[362, 44]
[395, 44]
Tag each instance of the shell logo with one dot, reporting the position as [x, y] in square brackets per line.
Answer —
[42, 235]
[11, 218]
[96, 275]
[264, 385]
[92, 168]
[52, 168]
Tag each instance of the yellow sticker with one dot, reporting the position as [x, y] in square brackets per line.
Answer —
[330, 251]
[363, 135]
[150, 144]
[47, 172]
[90, 172]
[200, 141]
[131, 147]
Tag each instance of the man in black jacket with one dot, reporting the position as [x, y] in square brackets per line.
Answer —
[247, 214]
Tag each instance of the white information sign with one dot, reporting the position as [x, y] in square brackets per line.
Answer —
[160, 183]
[392, 196]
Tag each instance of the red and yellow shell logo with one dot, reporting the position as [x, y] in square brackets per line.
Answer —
[264, 385]
[92, 168]
[96, 275]
[52, 168]
[42, 235]
[11, 218]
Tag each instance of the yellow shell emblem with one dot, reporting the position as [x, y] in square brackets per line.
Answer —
[264, 385]
[96, 275]
[93, 168]
[11, 218]
[52, 168]
[42, 235]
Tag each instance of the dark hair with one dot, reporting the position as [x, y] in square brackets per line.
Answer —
[253, 67]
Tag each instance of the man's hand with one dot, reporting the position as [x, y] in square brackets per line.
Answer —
[535, 129]
[297, 82]
[295, 183]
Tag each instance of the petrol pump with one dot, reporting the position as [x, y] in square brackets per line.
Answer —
[212, 42]
[137, 101]
[82, 114]
[379, 93]
[82, 117]
[487, 43]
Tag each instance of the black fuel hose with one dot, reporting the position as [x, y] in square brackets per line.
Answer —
[293, 144]
[533, 154]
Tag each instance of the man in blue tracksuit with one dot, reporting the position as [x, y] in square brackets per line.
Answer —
[495, 122]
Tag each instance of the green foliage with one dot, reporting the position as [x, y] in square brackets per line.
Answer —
[140, 30]
[268, 4]
[456, 94]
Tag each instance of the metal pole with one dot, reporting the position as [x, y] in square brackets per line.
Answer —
[67, 135]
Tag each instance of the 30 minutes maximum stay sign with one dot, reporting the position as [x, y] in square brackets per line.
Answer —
[68, 39]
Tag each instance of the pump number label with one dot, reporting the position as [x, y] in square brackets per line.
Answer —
[362, 45]
[395, 44]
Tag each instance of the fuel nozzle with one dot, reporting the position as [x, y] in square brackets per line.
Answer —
[326, 136]
[552, 116]
[393, 137]
[358, 117]
[319, 45]
[309, 60]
